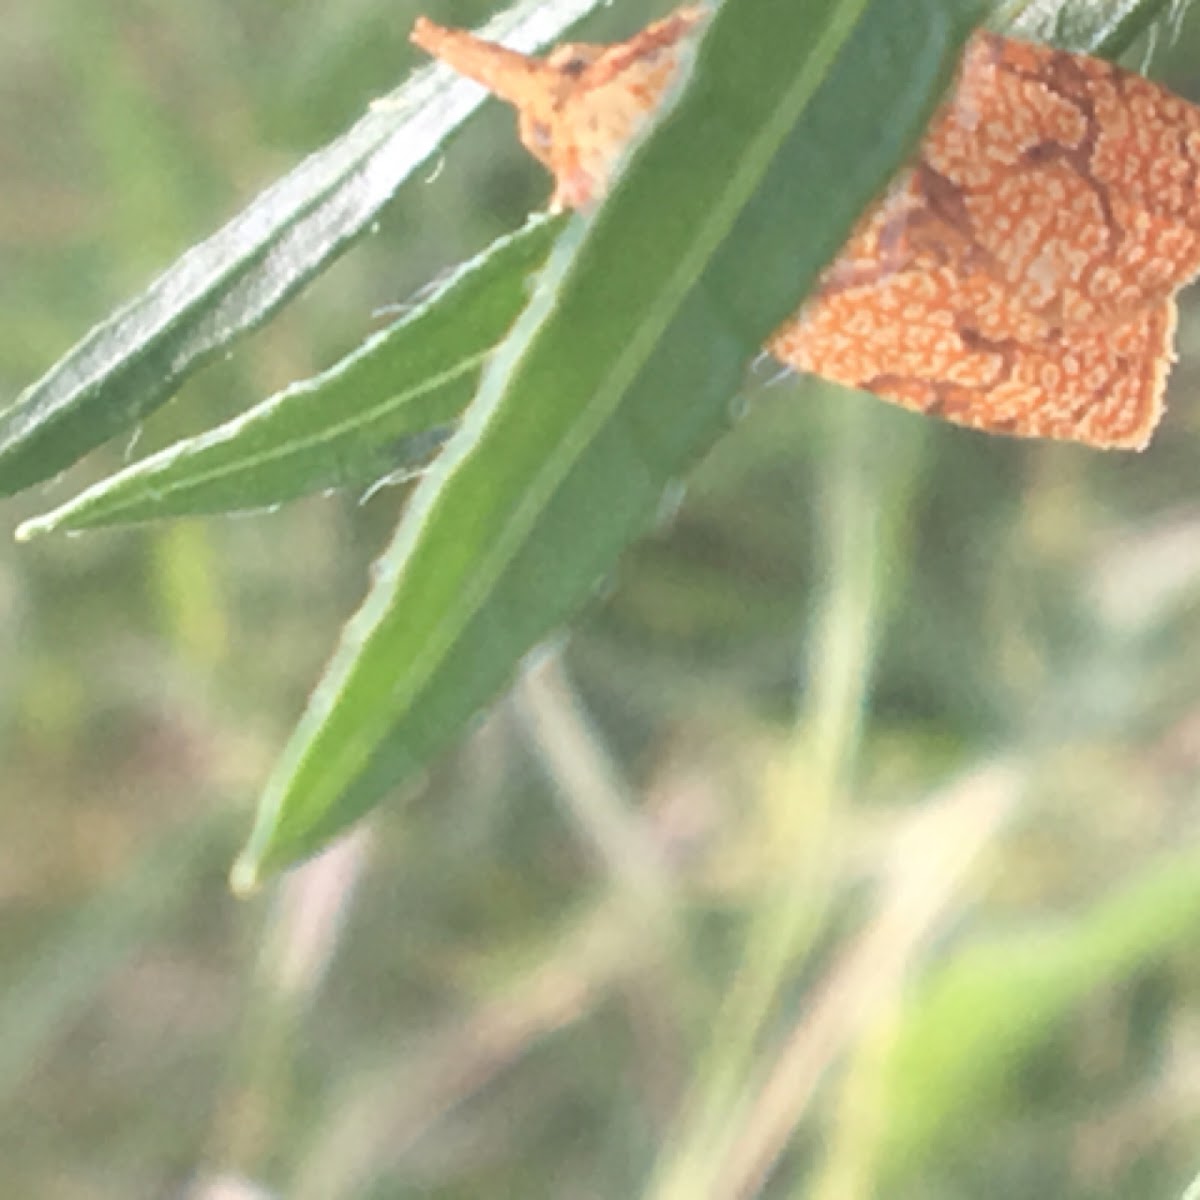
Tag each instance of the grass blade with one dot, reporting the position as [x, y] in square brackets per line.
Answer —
[972, 1024]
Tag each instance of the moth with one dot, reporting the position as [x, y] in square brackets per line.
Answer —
[1019, 275]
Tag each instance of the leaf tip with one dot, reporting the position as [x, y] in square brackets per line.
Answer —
[34, 527]
[245, 876]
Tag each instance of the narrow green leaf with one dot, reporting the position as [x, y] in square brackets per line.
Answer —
[616, 378]
[376, 412]
[237, 279]
[967, 1030]
[1103, 27]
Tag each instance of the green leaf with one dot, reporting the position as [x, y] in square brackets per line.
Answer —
[379, 410]
[1103, 27]
[617, 377]
[967, 1030]
[237, 279]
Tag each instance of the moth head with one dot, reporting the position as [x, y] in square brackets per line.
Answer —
[580, 106]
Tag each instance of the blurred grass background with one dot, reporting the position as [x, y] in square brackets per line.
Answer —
[863, 803]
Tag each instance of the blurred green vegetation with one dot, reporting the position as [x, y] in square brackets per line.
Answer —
[864, 801]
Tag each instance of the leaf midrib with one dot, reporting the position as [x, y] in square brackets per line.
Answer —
[608, 397]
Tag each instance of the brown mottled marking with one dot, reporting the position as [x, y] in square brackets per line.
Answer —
[957, 347]
[1019, 278]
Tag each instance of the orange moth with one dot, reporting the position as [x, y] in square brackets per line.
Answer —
[1018, 277]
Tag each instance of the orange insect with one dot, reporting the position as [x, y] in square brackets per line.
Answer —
[1019, 277]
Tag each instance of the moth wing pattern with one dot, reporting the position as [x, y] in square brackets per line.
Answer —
[1071, 180]
[957, 347]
